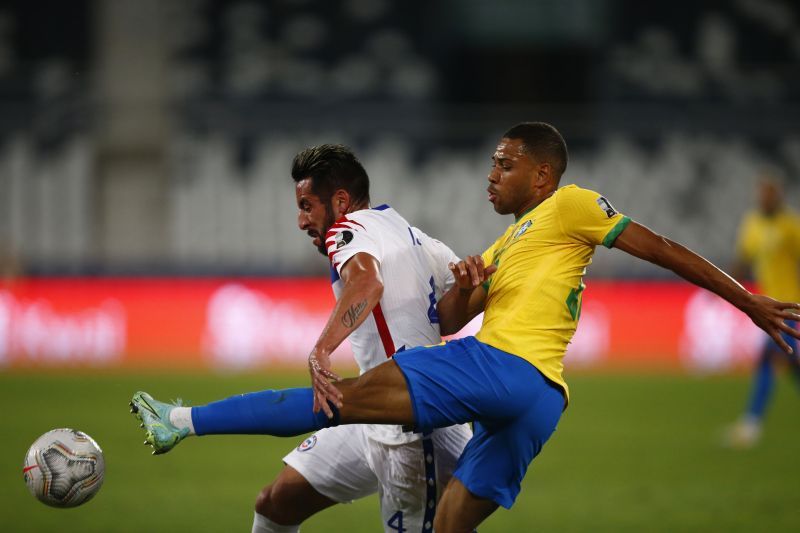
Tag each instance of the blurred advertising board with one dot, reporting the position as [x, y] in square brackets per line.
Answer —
[244, 323]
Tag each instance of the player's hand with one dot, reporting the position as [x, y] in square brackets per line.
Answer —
[319, 366]
[471, 272]
[771, 316]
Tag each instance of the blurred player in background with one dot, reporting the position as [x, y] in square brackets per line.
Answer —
[769, 245]
[508, 378]
[387, 277]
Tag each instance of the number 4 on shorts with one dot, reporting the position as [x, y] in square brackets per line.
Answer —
[396, 522]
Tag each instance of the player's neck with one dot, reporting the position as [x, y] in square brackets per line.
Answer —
[529, 206]
[357, 207]
[350, 209]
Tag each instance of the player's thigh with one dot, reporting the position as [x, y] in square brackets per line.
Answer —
[334, 462]
[412, 476]
[497, 458]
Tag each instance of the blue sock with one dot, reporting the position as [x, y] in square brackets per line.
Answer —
[763, 384]
[282, 413]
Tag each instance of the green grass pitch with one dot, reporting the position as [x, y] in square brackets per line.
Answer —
[632, 453]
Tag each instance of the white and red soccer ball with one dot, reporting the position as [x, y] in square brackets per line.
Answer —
[64, 468]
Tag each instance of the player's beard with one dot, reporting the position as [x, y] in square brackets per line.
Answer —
[326, 225]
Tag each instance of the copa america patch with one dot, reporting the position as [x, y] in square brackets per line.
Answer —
[606, 206]
[307, 444]
[342, 238]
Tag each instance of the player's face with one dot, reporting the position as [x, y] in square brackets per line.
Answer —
[511, 177]
[314, 216]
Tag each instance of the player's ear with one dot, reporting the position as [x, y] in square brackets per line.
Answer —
[543, 173]
[341, 202]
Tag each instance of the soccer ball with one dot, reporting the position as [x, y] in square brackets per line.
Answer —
[64, 468]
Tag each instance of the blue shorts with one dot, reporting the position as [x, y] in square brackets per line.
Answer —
[514, 407]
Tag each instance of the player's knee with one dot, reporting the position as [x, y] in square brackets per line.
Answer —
[264, 501]
[269, 504]
[281, 503]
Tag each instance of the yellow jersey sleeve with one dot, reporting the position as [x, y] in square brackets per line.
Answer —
[589, 218]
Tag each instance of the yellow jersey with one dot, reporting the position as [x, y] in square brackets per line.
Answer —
[772, 246]
[533, 300]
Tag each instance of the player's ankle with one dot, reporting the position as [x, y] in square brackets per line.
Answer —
[181, 418]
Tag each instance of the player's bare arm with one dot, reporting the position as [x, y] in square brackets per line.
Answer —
[363, 288]
[767, 313]
[467, 297]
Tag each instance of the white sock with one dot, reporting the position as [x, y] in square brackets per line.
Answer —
[262, 524]
[181, 417]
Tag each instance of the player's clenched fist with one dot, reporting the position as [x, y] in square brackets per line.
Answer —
[471, 272]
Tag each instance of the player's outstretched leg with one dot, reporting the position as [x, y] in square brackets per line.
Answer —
[379, 396]
[280, 413]
[160, 433]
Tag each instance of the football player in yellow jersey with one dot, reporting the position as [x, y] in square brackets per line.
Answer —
[507, 379]
[769, 242]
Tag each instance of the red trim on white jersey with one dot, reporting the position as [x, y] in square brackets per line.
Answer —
[383, 330]
[342, 224]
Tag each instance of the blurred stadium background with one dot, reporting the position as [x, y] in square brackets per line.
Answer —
[148, 238]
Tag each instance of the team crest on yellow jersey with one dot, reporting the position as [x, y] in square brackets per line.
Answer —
[522, 229]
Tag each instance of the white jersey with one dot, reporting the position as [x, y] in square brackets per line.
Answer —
[415, 273]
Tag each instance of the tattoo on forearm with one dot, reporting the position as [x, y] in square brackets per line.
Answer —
[350, 317]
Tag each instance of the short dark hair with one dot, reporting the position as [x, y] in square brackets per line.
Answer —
[332, 167]
[544, 142]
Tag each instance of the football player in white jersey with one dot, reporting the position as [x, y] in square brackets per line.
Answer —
[387, 277]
